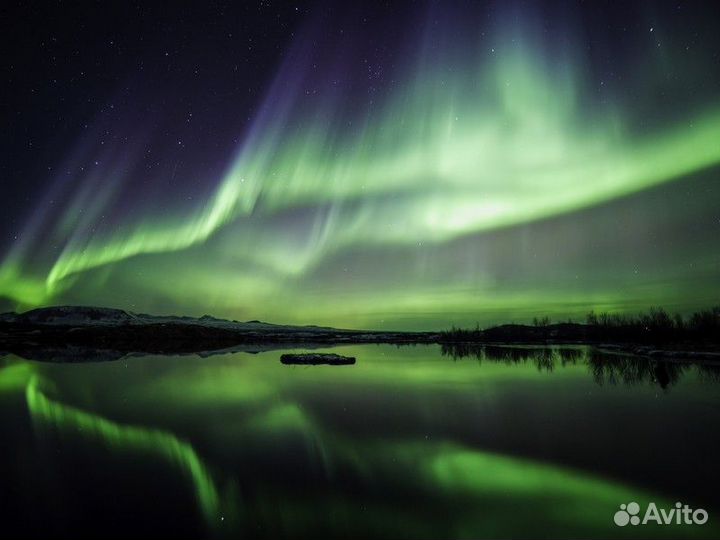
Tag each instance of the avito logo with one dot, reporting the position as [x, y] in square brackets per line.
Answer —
[680, 515]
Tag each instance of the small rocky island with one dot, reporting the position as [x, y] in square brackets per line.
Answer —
[316, 359]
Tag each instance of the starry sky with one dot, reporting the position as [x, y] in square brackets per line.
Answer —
[399, 165]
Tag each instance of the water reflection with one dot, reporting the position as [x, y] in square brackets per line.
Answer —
[410, 442]
[605, 368]
[544, 358]
[47, 413]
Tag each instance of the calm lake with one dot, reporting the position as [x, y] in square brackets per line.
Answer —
[409, 442]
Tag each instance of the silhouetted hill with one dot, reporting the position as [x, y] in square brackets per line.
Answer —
[64, 333]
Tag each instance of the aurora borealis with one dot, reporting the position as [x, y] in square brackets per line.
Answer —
[405, 166]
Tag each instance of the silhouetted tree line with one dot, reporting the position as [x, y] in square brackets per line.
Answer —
[657, 325]
[462, 334]
[654, 326]
[542, 321]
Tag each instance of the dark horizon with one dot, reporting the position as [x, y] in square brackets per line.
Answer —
[657, 322]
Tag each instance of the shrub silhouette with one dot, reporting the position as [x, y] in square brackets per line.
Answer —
[654, 326]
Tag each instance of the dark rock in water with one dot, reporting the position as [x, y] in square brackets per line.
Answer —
[314, 359]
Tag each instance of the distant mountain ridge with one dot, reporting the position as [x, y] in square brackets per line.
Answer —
[69, 333]
[100, 316]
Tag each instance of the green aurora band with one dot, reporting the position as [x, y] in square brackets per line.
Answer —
[45, 410]
[449, 156]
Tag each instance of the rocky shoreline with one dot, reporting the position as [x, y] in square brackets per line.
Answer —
[73, 334]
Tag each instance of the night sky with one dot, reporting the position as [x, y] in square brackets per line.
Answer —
[405, 165]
